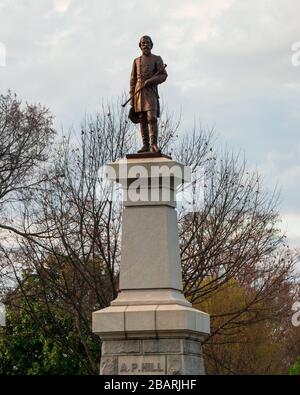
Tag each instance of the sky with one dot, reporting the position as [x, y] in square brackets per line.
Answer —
[234, 65]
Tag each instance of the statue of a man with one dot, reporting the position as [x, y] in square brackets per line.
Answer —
[148, 71]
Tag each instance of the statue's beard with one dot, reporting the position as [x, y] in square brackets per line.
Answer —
[146, 51]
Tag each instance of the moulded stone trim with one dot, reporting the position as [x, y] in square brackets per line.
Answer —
[175, 317]
[109, 319]
[140, 318]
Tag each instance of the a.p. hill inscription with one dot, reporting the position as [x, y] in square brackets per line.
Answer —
[141, 365]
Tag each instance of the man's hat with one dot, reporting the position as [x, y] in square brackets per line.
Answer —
[133, 116]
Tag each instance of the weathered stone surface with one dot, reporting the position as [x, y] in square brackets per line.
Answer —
[185, 365]
[108, 365]
[143, 228]
[175, 365]
[193, 365]
[192, 347]
[162, 346]
[117, 347]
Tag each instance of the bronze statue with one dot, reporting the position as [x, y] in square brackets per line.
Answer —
[148, 71]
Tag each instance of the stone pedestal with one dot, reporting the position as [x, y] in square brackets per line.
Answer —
[150, 328]
[170, 356]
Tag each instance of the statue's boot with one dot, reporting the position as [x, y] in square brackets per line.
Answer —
[145, 138]
[153, 137]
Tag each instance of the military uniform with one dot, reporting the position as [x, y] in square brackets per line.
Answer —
[146, 101]
[143, 68]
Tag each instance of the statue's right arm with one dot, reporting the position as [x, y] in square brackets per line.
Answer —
[133, 79]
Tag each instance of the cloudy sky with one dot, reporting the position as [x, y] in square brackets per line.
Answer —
[229, 65]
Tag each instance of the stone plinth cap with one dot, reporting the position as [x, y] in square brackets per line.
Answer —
[125, 170]
[148, 181]
[140, 320]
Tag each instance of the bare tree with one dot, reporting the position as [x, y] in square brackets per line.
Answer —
[72, 223]
[234, 235]
[25, 134]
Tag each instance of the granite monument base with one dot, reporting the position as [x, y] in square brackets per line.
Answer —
[151, 339]
[150, 328]
[152, 356]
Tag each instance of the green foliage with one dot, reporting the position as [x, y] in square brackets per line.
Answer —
[253, 342]
[295, 369]
[35, 342]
